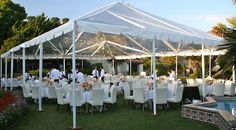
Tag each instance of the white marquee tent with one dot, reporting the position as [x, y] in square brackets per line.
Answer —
[117, 31]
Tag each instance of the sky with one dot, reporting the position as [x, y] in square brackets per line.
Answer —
[200, 14]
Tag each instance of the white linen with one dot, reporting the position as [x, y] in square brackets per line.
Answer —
[86, 95]
[148, 94]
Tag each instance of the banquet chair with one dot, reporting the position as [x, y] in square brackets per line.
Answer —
[52, 92]
[229, 89]
[107, 79]
[113, 97]
[171, 89]
[162, 84]
[131, 84]
[96, 98]
[139, 97]
[161, 96]
[97, 85]
[218, 89]
[16, 83]
[200, 88]
[61, 101]
[79, 101]
[106, 87]
[178, 95]
[35, 92]
[26, 91]
[5, 83]
[127, 95]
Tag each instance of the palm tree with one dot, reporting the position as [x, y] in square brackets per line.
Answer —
[228, 60]
[234, 1]
[219, 30]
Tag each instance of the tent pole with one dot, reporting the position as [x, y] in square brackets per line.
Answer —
[23, 66]
[154, 74]
[203, 72]
[233, 75]
[64, 66]
[6, 72]
[12, 54]
[176, 62]
[210, 64]
[40, 74]
[151, 67]
[74, 74]
[130, 66]
[176, 66]
[82, 64]
[113, 66]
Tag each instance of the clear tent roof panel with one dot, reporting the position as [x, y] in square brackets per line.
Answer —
[136, 27]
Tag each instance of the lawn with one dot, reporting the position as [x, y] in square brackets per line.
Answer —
[122, 118]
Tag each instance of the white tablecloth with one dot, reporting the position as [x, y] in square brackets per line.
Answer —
[209, 89]
[86, 95]
[148, 94]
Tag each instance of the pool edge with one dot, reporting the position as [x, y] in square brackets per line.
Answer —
[222, 119]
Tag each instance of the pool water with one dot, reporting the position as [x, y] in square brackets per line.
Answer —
[229, 106]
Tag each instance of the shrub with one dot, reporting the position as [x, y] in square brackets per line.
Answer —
[12, 108]
[36, 72]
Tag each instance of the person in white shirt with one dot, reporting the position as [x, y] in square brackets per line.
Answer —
[80, 77]
[95, 72]
[102, 72]
[172, 75]
[55, 75]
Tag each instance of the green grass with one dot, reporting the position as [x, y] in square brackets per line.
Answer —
[122, 118]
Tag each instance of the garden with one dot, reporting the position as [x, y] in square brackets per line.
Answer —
[12, 108]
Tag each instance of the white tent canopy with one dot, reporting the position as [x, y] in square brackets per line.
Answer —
[124, 31]
[117, 31]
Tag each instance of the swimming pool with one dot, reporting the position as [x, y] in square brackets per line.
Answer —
[219, 111]
[229, 106]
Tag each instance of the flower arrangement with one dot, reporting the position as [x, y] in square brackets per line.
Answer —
[161, 78]
[86, 85]
[209, 80]
[123, 78]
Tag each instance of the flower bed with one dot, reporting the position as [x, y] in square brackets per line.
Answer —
[12, 107]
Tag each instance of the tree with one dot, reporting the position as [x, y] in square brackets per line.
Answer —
[234, 1]
[65, 20]
[228, 60]
[27, 30]
[10, 13]
[55, 21]
[219, 30]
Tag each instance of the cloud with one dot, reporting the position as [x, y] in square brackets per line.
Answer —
[211, 19]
